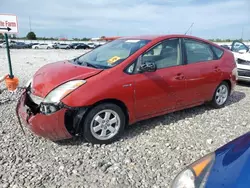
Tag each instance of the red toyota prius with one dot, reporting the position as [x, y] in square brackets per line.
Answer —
[125, 81]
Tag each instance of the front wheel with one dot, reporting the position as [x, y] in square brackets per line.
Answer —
[104, 124]
[221, 95]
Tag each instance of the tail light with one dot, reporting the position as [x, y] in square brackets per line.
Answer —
[235, 73]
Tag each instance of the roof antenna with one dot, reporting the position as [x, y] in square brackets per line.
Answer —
[189, 28]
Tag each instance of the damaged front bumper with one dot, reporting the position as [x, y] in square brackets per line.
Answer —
[62, 124]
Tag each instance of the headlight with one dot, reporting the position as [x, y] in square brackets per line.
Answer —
[61, 91]
[51, 103]
[195, 176]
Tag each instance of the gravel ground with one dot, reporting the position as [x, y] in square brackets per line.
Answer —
[150, 154]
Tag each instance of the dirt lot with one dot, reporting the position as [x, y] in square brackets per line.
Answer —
[150, 154]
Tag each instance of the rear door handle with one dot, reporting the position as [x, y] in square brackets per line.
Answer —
[217, 69]
[179, 76]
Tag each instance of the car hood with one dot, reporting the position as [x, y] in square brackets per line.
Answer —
[231, 168]
[52, 75]
[245, 56]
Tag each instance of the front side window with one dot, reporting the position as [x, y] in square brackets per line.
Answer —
[111, 54]
[197, 51]
[165, 54]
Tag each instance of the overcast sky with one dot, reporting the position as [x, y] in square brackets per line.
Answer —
[94, 18]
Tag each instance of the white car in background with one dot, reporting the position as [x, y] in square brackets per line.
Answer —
[11, 43]
[242, 57]
[3, 45]
[91, 45]
[43, 46]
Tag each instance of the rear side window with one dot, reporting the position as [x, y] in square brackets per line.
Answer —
[217, 51]
[197, 51]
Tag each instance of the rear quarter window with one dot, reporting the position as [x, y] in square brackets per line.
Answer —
[218, 52]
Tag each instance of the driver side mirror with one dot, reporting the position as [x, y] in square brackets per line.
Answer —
[148, 66]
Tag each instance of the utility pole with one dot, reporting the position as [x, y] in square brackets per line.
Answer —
[8, 54]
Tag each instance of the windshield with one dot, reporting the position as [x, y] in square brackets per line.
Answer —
[111, 54]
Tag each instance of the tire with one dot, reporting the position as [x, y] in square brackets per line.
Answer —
[93, 130]
[36, 47]
[223, 95]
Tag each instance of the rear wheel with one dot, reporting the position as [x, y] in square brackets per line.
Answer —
[104, 124]
[221, 95]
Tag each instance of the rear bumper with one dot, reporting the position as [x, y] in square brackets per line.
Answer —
[48, 126]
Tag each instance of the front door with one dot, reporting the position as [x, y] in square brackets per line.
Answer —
[160, 91]
[239, 47]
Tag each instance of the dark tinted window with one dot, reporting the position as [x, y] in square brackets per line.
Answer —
[217, 51]
[165, 54]
[197, 51]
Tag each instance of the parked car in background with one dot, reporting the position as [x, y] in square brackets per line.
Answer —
[73, 45]
[11, 43]
[52, 46]
[127, 80]
[226, 47]
[32, 44]
[227, 167]
[91, 45]
[82, 46]
[242, 57]
[63, 46]
[20, 45]
[3, 45]
[41, 46]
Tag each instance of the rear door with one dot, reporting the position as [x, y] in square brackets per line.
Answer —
[203, 70]
[162, 90]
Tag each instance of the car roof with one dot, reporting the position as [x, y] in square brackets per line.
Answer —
[156, 37]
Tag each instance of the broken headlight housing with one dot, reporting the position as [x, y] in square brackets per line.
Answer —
[52, 103]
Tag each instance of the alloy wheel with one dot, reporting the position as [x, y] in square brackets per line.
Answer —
[105, 124]
[221, 94]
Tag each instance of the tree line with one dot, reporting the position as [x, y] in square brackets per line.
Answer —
[32, 36]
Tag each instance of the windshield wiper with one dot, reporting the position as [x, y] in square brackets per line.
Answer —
[91, 65]
[85, 63]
